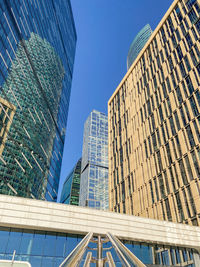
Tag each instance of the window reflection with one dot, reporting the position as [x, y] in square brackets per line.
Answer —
[60, 246]
[14, 241]
[26, 243]
[37, 244]
[40, 248]
[49, 245]
[4, 240]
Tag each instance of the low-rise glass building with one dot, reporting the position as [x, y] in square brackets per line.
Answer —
[44, 234]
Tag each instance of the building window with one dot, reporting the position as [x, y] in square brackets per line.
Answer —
[161, 185]
[179, 95]
[155, 82]
[178, 13]
[183, 172]
[198, 26]
[196, 163]
[192, 16]
[151, 189]
[197, 130]
[179, 206]
[156, 189]
[197, 94]
[158, 137]
[168, 210]
[161, 114]
[174, 40]
[183, 28]
[190, 136]
[172, 179]
[193, 57]
[164, 90]
[186, 203]
[193, 106]
[187, 63]
[198, 69]
[163, 133]
[189, 41]
[182, 69]
[159, 161]
[173, 80]
[177, 120]
[178, 35]
[145, 146]
[188, 166]
[178, 145]
[191, 200]
[190, 3]
[166, 182]
[187, 111]
[168, 153]
[170, 62]
[168, 85]
[183, 116]
[123, 191]
[169, 105]
[196, 5]
[172, 125]
[174, 148]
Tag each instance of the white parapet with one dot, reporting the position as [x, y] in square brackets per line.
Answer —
[42, 215]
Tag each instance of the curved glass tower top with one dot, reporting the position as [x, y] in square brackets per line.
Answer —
[138, 43]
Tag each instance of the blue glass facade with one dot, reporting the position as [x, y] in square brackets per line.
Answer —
[94, 167]
[71, 186]
[42, 249]
[138, 43]
[37, 44]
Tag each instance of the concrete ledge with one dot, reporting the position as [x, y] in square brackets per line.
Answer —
[56, 217]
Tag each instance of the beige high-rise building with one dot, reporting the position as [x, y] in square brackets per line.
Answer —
[154, 124]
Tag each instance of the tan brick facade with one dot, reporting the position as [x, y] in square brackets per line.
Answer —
[154, 124]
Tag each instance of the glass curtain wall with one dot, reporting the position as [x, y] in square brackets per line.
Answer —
[94, 169]
[37, 43]
[42, 249]
[71, 186]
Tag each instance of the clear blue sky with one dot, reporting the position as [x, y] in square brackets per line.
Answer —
[105, 30]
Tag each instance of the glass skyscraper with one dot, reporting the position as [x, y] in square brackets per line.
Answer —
[71, 186]
[37, 44]
[94, 167]
[138, 43]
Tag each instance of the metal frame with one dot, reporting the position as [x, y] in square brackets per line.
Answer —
[126, 257]
[124, 253]
[88, 260]
[75, 257]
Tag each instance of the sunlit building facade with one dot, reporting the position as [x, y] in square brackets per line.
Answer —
[138, 43]
[71, 186]
[94, 166]
[154, 124]
[37, 41]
